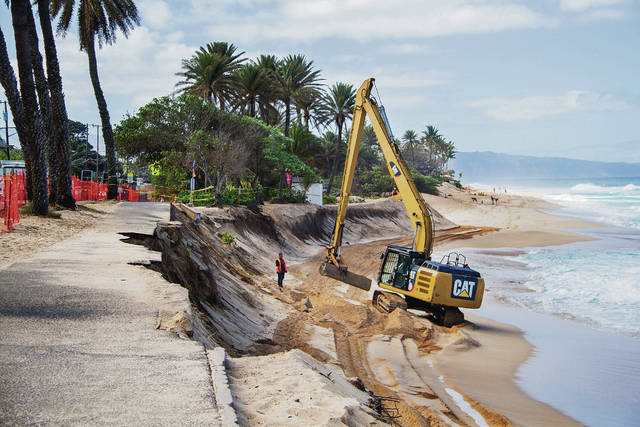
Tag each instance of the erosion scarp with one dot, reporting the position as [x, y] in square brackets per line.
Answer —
[233, 286]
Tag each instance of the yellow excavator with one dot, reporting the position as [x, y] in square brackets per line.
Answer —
[407, 277]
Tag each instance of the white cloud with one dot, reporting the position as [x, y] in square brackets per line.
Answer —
[533, 107]
[364, 20]
[154, 13]
[137, 69]
[386, 77]
[582, 5]
[146, 58]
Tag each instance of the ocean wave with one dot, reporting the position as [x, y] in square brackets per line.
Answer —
[600, 287]
[593, 188]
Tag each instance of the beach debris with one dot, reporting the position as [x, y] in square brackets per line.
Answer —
[308, 305]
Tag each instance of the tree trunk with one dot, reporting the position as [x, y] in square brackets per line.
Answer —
[334, 167]
[20, 9]
[252, 107]
[287, 125]
[107, 131]
[10, 85]
[59, 120]
[45, 108]
[287, 118]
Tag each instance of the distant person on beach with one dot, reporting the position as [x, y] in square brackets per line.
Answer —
[281, 269]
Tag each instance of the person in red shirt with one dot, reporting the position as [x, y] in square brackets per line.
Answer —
[281, 269]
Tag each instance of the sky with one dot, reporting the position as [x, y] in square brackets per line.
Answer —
[552, 78]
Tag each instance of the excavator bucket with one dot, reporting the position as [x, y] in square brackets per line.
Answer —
[344, 275]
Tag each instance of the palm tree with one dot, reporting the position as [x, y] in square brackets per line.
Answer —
[410, 139]
[253, 85]
[449, 152]
[32, 122]
[326, 145]
[99, 19]
[338, 108]
[433, 141]
[10, 85]
[59, 120]
[269, 112]
[208, 72]
[295, 76]
[309, 107]
[44, 102]
[304, 143]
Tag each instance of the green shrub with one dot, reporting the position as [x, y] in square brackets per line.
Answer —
[289, 195]
[328, 199]
[229, 196]
[458, 184]
[376, 181]
[227, 238]
[427, 184]
[247, 195]
[200, 198]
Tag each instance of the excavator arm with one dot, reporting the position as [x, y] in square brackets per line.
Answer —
[414, 204]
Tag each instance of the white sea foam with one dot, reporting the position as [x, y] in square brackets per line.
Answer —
[596, 282]
[466, 407]
[592, 188]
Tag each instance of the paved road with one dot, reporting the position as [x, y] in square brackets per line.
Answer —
[78, 343]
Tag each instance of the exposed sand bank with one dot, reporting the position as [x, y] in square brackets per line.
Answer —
[439, 376]
[398, 355]
[520, 219]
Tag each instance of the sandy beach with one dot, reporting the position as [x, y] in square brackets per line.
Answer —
[468, 373]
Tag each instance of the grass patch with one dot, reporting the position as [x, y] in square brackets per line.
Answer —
[227, 238]
[27, 210]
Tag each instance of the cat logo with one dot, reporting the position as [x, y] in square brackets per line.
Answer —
[463, 288]
[395, 169]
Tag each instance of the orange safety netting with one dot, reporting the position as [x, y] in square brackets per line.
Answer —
[13, 194]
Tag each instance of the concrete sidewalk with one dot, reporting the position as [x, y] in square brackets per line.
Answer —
[78, 343]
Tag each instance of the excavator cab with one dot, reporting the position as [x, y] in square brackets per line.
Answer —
[397, 266]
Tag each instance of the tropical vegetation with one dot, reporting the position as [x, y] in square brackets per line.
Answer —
[242, 128]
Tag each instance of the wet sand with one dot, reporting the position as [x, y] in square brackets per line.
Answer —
[525, 358]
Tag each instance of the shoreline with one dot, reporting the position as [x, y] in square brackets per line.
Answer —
[489, 373]
[516, 381]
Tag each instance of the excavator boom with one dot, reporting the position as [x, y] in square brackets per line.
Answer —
[416, 208]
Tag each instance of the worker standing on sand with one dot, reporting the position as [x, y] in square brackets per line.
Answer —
[281, 269]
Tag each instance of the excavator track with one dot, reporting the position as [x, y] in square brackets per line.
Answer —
[386, 302]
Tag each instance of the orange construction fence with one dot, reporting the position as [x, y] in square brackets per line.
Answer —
[13, 194]
[87, 190]
[94, 191]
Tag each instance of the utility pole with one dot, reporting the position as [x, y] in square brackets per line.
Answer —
[86, 154]
[97, 149]
[6, 129]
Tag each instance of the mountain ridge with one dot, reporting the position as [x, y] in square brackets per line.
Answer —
[482, 165]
